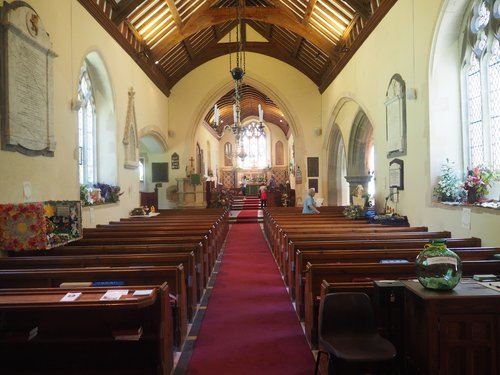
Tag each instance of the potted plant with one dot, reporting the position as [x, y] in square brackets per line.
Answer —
[478, 181]
[449, 187]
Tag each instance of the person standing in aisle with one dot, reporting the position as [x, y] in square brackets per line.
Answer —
[244, 185]
[263, 195]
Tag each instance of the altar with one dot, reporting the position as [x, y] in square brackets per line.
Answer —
[253, 189]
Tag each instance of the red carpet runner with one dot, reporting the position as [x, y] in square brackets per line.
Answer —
[250, 327]
[248, 213]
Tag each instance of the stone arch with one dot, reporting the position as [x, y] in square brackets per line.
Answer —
[347, 163]
[336, 168]
[154, 134]
[223, 88]
[360, 142]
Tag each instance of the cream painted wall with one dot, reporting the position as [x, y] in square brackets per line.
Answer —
[402, 43]
[74, 34]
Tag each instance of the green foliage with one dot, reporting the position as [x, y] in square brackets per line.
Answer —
[449, 186]
[353, 211]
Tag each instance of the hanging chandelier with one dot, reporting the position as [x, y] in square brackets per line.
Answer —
[237, 73]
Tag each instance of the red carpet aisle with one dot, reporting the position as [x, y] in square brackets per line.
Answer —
[250, 326]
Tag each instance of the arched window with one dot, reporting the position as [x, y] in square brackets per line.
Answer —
[255, 146]
[86, 129]
[481, 84]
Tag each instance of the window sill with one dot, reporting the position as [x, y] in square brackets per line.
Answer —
[490, 207]
[105, 204]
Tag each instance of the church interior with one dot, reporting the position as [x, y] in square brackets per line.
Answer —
[186, 109]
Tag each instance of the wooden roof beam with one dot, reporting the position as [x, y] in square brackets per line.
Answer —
[125, 7]
[363, 7]
[333, 70]
[210, 17]
[174, 13]
[215, 50]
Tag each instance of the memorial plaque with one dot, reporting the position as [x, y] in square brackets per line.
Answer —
[395, 106]
[27, 86]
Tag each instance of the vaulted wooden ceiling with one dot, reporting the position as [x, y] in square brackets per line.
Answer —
[170, 38]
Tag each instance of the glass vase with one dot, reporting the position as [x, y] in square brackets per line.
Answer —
[438, 267]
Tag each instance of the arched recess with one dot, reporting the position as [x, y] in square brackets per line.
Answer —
[360, 143]
[155, 133]
[337, 185]
[348, 164]
[106, 126]
[153, 149]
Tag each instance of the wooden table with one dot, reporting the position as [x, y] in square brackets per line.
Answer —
[452, 332]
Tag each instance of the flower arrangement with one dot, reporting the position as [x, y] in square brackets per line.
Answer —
[480, 179]
[353, 211]
[449, 186]
[284, 200]
[221, 198]
[99, 193]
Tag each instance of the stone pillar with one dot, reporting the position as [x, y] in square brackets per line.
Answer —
[354, 181]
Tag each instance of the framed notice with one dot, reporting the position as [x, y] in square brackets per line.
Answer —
[175, 161]
[395, 109]
[396, 174]
[313, 167]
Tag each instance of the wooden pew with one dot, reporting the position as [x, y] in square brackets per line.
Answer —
[302, 257]
[367, 272]
[285, 233]
[210, 250]
[41, 335]
[50, 278]
[78, 249]
[406, 243]
[217, 235]
[287, 254]
[122, 260]
[119, 241]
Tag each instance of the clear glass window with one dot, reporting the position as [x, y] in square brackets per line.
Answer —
[86, 130]
[481, 91]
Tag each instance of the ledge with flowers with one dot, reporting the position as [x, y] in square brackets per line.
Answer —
[99, 193]
[472, 189]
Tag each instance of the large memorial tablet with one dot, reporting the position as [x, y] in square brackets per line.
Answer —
[26, 80]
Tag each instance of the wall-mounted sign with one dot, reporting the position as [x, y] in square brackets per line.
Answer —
[175, 161]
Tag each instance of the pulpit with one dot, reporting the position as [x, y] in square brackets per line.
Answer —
[191, 192]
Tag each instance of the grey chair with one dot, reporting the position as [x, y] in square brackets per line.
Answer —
[348, 333]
